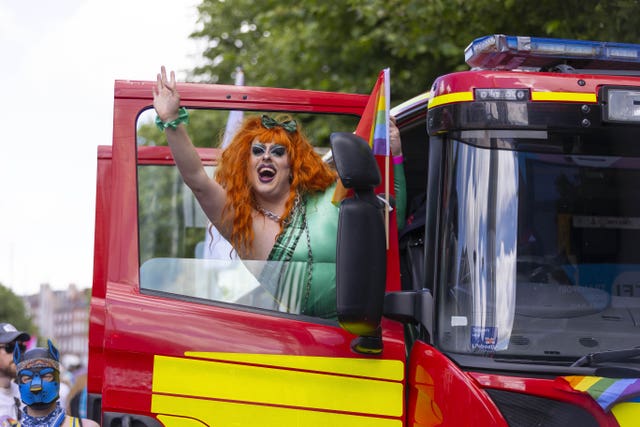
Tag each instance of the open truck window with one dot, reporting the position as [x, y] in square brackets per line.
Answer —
[182, 255]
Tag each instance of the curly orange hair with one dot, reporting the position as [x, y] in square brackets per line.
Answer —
[309, 174]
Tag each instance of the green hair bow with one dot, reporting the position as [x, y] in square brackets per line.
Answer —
[269, 122]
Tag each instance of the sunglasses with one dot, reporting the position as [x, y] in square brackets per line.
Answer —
[9, 347]
[275, 150]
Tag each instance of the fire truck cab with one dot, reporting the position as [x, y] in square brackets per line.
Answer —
[510, 298]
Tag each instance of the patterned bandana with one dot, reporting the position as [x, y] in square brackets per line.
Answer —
[38, 363]
[54, 419]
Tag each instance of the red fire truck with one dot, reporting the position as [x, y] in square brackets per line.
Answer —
[511, 297]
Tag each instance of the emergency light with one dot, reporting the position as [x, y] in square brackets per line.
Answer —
[500, 94]
[535, 53]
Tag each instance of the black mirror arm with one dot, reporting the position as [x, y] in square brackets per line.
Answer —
[410, 307]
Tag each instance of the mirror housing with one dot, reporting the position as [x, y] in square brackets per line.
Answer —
[361, 244]
[355, 162]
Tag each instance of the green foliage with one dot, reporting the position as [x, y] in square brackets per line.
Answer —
[161, 213]
[205, 129]
[12, 310]
[341, 45]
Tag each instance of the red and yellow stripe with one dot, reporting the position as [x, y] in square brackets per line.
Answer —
[467, 96]
[230, 389]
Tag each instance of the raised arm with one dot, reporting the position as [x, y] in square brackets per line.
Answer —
[210, 195]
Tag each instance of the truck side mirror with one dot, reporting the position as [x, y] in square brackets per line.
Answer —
[361, 249]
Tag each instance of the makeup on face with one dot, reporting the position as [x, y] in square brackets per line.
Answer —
[259, 149]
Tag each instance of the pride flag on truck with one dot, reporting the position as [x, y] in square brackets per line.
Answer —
[379, 133]
[374, 125]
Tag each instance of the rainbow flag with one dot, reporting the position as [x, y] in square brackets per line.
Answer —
[374, 124]
[379, 134]
[607, 392]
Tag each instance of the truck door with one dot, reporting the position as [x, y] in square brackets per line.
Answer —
[183, 333]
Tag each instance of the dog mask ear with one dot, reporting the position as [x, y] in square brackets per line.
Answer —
[53, 351]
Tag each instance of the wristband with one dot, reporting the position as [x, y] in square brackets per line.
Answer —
[183, 117]
[397, 160]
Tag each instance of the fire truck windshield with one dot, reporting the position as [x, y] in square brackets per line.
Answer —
[539, 257]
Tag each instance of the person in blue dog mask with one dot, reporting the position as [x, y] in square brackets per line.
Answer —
[38, 378]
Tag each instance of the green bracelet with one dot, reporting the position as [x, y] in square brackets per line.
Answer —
[183, 117]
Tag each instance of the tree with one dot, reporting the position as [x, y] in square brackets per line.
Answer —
[341, 45]
[13, 310]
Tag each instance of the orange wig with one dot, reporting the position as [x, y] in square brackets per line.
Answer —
[309, 174]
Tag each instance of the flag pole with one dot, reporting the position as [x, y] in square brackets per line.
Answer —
[386, 192]
[387, 100]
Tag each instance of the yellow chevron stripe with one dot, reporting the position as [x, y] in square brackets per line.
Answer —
[449, 98]
[392, 370]
[275, 386]
[535, 96]
[183, 387]
[231, 414]
[564, 96]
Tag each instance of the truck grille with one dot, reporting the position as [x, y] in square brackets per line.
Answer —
[522, 410]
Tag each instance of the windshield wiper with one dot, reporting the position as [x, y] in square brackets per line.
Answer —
[607, 356]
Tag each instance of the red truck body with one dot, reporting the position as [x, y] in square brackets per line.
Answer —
[466, 343]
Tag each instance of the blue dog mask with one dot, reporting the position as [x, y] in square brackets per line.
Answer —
[38, 375]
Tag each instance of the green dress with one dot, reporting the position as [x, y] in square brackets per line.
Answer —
[301, 266]
[302, 270]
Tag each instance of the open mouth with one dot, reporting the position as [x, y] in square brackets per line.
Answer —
[266, 173]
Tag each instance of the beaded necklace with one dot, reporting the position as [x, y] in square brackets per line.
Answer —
[266, 212]
[277, 218]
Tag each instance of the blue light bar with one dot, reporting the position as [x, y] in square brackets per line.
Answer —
[534, 53]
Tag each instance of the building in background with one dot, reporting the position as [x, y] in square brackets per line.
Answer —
[62, 316]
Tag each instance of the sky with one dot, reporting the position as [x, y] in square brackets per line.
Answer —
[58, 63]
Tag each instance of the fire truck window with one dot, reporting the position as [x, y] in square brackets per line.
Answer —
[574, 264]
[181, 255]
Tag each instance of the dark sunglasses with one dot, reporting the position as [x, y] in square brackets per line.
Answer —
[9, 347]
[275, 150]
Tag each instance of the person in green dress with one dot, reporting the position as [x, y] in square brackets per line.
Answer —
[271, 198]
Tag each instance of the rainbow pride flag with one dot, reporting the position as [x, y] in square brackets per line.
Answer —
[379, 136]
[607, 392]
[373, 125]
